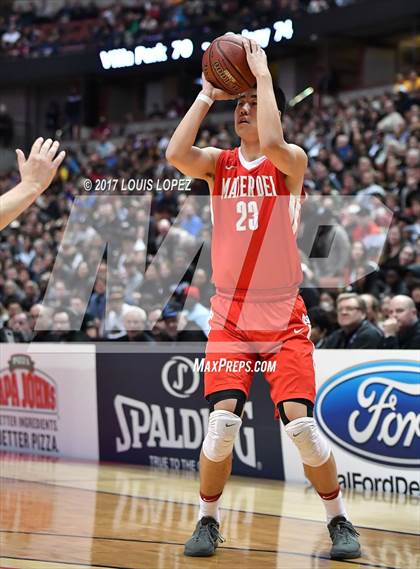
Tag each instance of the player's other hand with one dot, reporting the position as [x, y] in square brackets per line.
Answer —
[41, 165]
[215, 93]
[256, 57]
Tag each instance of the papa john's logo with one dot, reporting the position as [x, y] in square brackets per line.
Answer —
[23, 387]
[179, 377]
[372, 410]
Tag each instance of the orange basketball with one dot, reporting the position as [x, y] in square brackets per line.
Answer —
[225, 65]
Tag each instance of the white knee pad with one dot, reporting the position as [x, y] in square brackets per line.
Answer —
[221, 434]
[312, 446]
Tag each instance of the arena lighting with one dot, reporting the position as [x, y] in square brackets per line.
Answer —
[117, 58]
[301, 96]
[150, 54]
[283, 30]
[184, 48]
[261, 36]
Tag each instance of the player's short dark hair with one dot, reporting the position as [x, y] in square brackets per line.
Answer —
[280, 98]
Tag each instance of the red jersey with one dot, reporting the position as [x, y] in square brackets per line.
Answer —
[255, 221]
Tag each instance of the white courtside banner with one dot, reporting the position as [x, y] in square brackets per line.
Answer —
[368, 407]
[48, 402]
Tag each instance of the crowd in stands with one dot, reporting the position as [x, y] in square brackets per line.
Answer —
[40, 29]
[362, 148]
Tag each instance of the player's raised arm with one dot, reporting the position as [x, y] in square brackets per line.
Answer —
[288, 158]
[181, 152]
[37, 173]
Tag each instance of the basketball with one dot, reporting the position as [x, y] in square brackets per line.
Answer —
[225, 65]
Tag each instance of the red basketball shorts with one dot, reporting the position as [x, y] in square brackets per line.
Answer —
[271, 337]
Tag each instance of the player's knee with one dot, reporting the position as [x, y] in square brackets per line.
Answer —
[292, 409]
[222, 431]
[313, 447]
[232, 400]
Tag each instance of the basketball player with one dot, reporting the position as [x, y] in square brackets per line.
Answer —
[250, 308]
[37, 173]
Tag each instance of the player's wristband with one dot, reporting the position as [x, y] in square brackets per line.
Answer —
[206, 99]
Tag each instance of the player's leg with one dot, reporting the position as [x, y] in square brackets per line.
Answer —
[292, 389]
[226, 409]
[324, 477]
[227, 381]
[320, 469]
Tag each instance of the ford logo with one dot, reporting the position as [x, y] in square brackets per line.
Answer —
[372, 410]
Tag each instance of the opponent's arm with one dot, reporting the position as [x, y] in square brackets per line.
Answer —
[288, 158]
[37, 173]
[181, 152]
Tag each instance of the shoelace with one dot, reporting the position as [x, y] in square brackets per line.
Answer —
[212, 531]
[344, 527]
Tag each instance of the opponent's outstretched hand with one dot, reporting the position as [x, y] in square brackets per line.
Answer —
[42, 163]
[256, 57]
[215, 93]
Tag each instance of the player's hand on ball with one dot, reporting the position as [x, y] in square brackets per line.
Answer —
[42, 163]
[256, 57]
[215, 93]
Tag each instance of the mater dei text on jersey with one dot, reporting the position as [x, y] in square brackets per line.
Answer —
[248, 186]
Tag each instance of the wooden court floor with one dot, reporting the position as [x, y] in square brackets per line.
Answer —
[58, 514]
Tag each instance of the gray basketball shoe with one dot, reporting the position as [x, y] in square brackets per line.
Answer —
[345, 544]
[205, 539]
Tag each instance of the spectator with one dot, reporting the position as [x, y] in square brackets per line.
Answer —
[32, 295]
[114, 321]
[134, 323]
[8, 336]
[372, 308]
[320, 326]
[206, 289]
[355, 331]
[97, 301]
[62, 330]
[407, 255]
[195, 311]
[133, 279]
[165, 328]
[170, 318]
[41, 317]
[59, 294]
[392, 119]
[77, 310]
[402, 328]
[190, 221]
[91, 329]
[13, 307]
[393, 246]
[412, 83]
[21, 325]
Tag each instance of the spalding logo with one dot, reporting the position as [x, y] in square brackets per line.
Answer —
[372, 410]
[177, 385]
